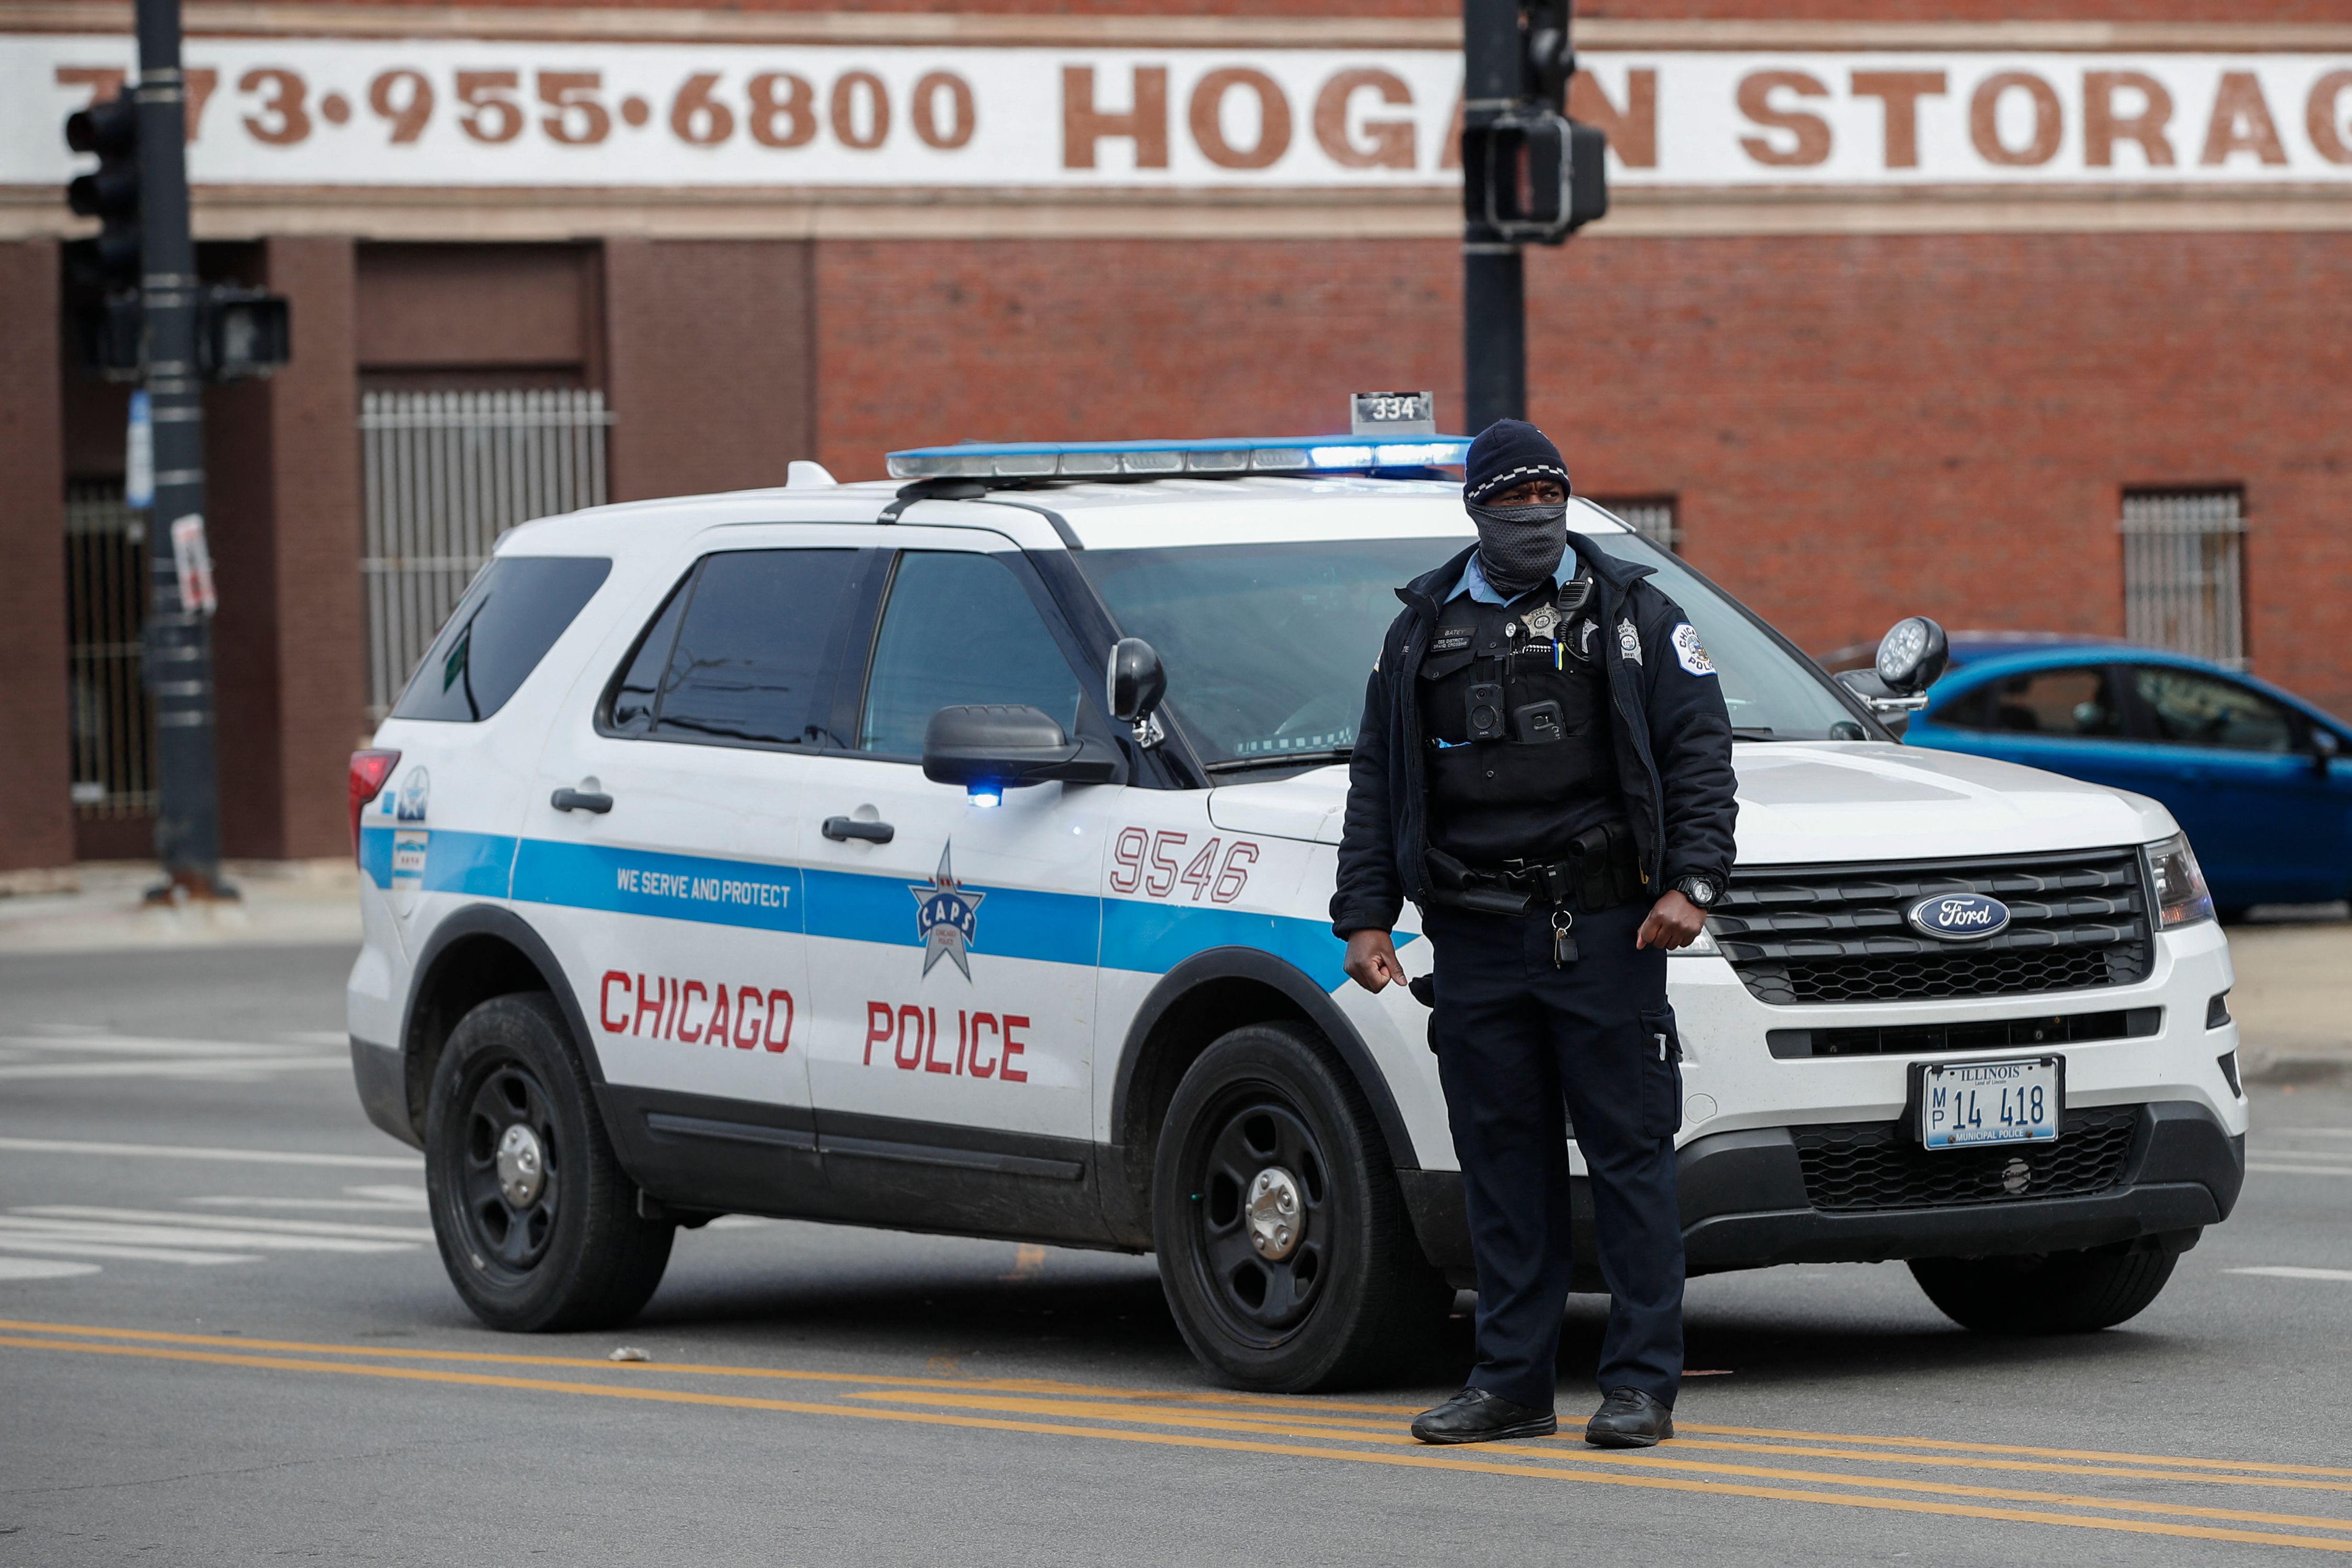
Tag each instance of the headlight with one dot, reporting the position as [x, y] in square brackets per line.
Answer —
[2181, 896]
[1702, 946]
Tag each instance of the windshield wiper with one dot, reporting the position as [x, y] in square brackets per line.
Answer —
[1753, 733]
[1286, 759]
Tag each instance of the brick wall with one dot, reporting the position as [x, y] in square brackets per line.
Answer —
[36, 819]
[1857, 428]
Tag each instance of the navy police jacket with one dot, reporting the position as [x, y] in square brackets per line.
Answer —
[1672, 731]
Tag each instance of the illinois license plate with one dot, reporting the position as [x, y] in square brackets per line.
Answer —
[1964, 1104]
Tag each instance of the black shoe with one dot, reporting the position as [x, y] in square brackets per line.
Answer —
[1629, 1418]
[1475, 1415]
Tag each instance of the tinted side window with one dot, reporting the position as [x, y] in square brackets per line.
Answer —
[629, 710]
[2185, 709]
[499, 633]
[1969, 711]
[740, 651]
[958, 628]
[2078, 703]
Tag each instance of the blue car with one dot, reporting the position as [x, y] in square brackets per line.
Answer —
[2259, 778]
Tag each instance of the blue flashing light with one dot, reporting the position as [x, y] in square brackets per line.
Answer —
[1142, 460]
[984, 797]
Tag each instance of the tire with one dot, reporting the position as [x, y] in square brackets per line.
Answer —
[566, 1250]
[2046, 1292]
[1336, 1294]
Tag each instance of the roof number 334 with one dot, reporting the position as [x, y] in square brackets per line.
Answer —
[1155, 863]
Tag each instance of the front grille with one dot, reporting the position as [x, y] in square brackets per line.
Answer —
[1873, 1166]
[1984, 1034]
[1799, 935]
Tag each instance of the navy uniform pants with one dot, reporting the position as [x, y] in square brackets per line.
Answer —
[1516, 1037]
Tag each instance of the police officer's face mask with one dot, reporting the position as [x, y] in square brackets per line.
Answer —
[1520, 547]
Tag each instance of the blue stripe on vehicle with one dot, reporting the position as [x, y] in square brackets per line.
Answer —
[1014, 923]
[376, 854]
[668, 886]
[1154, 938]
[1136, 934]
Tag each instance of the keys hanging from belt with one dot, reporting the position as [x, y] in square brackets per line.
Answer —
[1563, 939]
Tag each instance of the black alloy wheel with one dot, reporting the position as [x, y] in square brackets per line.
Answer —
[1262, 1212]
[1284, 1250]
[536, 1223]
[512, 1178]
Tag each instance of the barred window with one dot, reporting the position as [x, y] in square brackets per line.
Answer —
[1653, 517]
[2184, 572]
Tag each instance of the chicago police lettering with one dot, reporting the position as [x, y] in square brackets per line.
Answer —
[1958, 917]
[947, 917]
[695, 1012]
[986, 1045]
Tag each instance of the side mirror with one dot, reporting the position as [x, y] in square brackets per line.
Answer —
[989, 748]
[1133, 687]
[2324, 749]
[1136, 682]
[1912, 654]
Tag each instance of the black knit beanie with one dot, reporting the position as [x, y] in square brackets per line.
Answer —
[1510, 452]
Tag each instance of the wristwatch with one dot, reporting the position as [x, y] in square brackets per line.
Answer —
[1699, 890]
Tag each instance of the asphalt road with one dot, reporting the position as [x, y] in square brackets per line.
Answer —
[252, 1353]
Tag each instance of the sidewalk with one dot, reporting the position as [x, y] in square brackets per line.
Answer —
[2293, 1000]
[285, 903]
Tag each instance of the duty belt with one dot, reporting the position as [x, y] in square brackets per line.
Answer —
[1602, 872]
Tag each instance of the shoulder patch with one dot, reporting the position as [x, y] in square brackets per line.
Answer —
[1688, 653]
[1629, 641]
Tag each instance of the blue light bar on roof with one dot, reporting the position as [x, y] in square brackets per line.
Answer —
[1148, 459]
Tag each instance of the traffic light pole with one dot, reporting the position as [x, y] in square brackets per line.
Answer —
[179, 632]
[1493, 280]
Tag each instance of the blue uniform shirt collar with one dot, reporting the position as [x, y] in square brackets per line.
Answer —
[1474, 580]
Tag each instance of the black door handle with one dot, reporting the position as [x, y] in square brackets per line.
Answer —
[839, 828]
[581, 800]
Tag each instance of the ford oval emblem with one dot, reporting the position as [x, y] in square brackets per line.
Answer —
[1958, 917]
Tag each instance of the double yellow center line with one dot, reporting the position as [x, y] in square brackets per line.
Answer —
[1753, 1463]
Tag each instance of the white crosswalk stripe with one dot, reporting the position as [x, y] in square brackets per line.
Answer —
[182, 1151]
[298, 1228]
[34, 1237]
[102, 1055]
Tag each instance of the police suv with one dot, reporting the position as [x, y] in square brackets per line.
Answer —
[954, 855]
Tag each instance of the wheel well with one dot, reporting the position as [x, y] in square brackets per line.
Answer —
[460, 977]
[1186, 1028]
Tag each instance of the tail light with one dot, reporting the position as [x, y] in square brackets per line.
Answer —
[369, 772]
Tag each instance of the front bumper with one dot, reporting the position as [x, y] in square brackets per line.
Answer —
[1745, 1205]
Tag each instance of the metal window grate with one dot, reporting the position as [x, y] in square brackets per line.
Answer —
[2184, 572]
[112, 729]
[1653, 517]
[443, 474]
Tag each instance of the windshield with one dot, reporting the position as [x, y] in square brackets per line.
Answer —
[1267, 646]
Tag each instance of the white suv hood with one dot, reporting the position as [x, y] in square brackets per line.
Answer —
[1801, 804]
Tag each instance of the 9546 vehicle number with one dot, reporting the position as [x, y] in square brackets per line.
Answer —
[1965, 1104]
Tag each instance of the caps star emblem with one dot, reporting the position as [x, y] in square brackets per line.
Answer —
[946, 915]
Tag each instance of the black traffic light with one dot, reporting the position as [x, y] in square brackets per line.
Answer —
[109, 192]
[1534, 176]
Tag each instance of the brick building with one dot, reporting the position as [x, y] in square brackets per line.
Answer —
[1902, 307]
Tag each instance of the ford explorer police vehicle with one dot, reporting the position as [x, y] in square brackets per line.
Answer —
[952, 854]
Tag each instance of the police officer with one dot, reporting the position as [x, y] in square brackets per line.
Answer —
[1544, 767]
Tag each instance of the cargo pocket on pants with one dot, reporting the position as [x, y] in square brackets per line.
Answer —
[1662, 1074]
